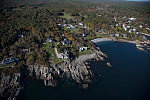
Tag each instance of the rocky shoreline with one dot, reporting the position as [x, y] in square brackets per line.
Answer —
[78, 70]
[143, 46]
[10, 86]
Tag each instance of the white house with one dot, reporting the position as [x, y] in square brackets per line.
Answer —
[140, 26]
[83, 48]
[83, 34]
[21, 35]
[80, 24]
[68, 27]
[128, 26]
[130, 30]
[62, 55]
[59, 24]
[134, 29]
[137, 33]
[132, 19]
[117, 35]
[116, 25]
[148, 29]
[50, 40]
[71, 26]
[125, 35]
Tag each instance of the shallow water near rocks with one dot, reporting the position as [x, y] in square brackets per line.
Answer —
[128, 79]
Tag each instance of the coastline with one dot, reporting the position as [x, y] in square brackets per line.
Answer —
[143, 46]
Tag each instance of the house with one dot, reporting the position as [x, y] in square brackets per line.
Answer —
[99, 15]
[102, 31]
[50, 40]
[130, 30]
[66, 42]
[84, 34]
[140, 26]
[83, 48]
[129, 21]
[144, 37]
[117, 35]
[44, 41]
[132, 19]
[62, 55]
[116, 25]
[112, 35]
[128, 26]
[86, 27]
[71, 26]
[21, 35]
[26, 50]
[63, 34]
[59, 25]
[124, 35]
[138, 33]
[134, 29]
[9, 60]
[80, 24]
[65, 55]
[148, 29]
[125, 29]
[68, 27]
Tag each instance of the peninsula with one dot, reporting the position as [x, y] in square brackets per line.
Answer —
[52, 40]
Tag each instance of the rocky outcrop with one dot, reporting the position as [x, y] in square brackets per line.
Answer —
[143, 46]
[78, 70]
[45, 73]
[9, 86]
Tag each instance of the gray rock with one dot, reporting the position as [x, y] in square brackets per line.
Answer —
[9, 85]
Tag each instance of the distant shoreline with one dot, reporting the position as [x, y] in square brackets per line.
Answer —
[139, 45]
[137, 0]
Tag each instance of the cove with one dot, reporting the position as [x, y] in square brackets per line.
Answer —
[128, 79]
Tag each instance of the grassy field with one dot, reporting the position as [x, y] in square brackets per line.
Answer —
[99, 35]
[89, 37]
[85, 52]
[7, 65]
[48, 47]
[75, 30]
[67, 16]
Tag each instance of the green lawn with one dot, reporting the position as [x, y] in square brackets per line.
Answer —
[89, 37]
[48, 47]
[85, 52]
[99, 35]
[8, 65]
[75, 30]
[67, 16]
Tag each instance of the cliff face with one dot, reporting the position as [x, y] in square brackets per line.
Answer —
[9, 85]
[45, 73]
[77, 69]
[78, 72]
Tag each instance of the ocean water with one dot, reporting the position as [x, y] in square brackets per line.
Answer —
[128, 79]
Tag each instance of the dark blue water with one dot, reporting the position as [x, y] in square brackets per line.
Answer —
[128, 79]
[148, 37]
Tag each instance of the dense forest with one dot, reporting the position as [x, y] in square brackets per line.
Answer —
[26, 26]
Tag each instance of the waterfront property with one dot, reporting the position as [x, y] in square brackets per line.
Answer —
[8, 62]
